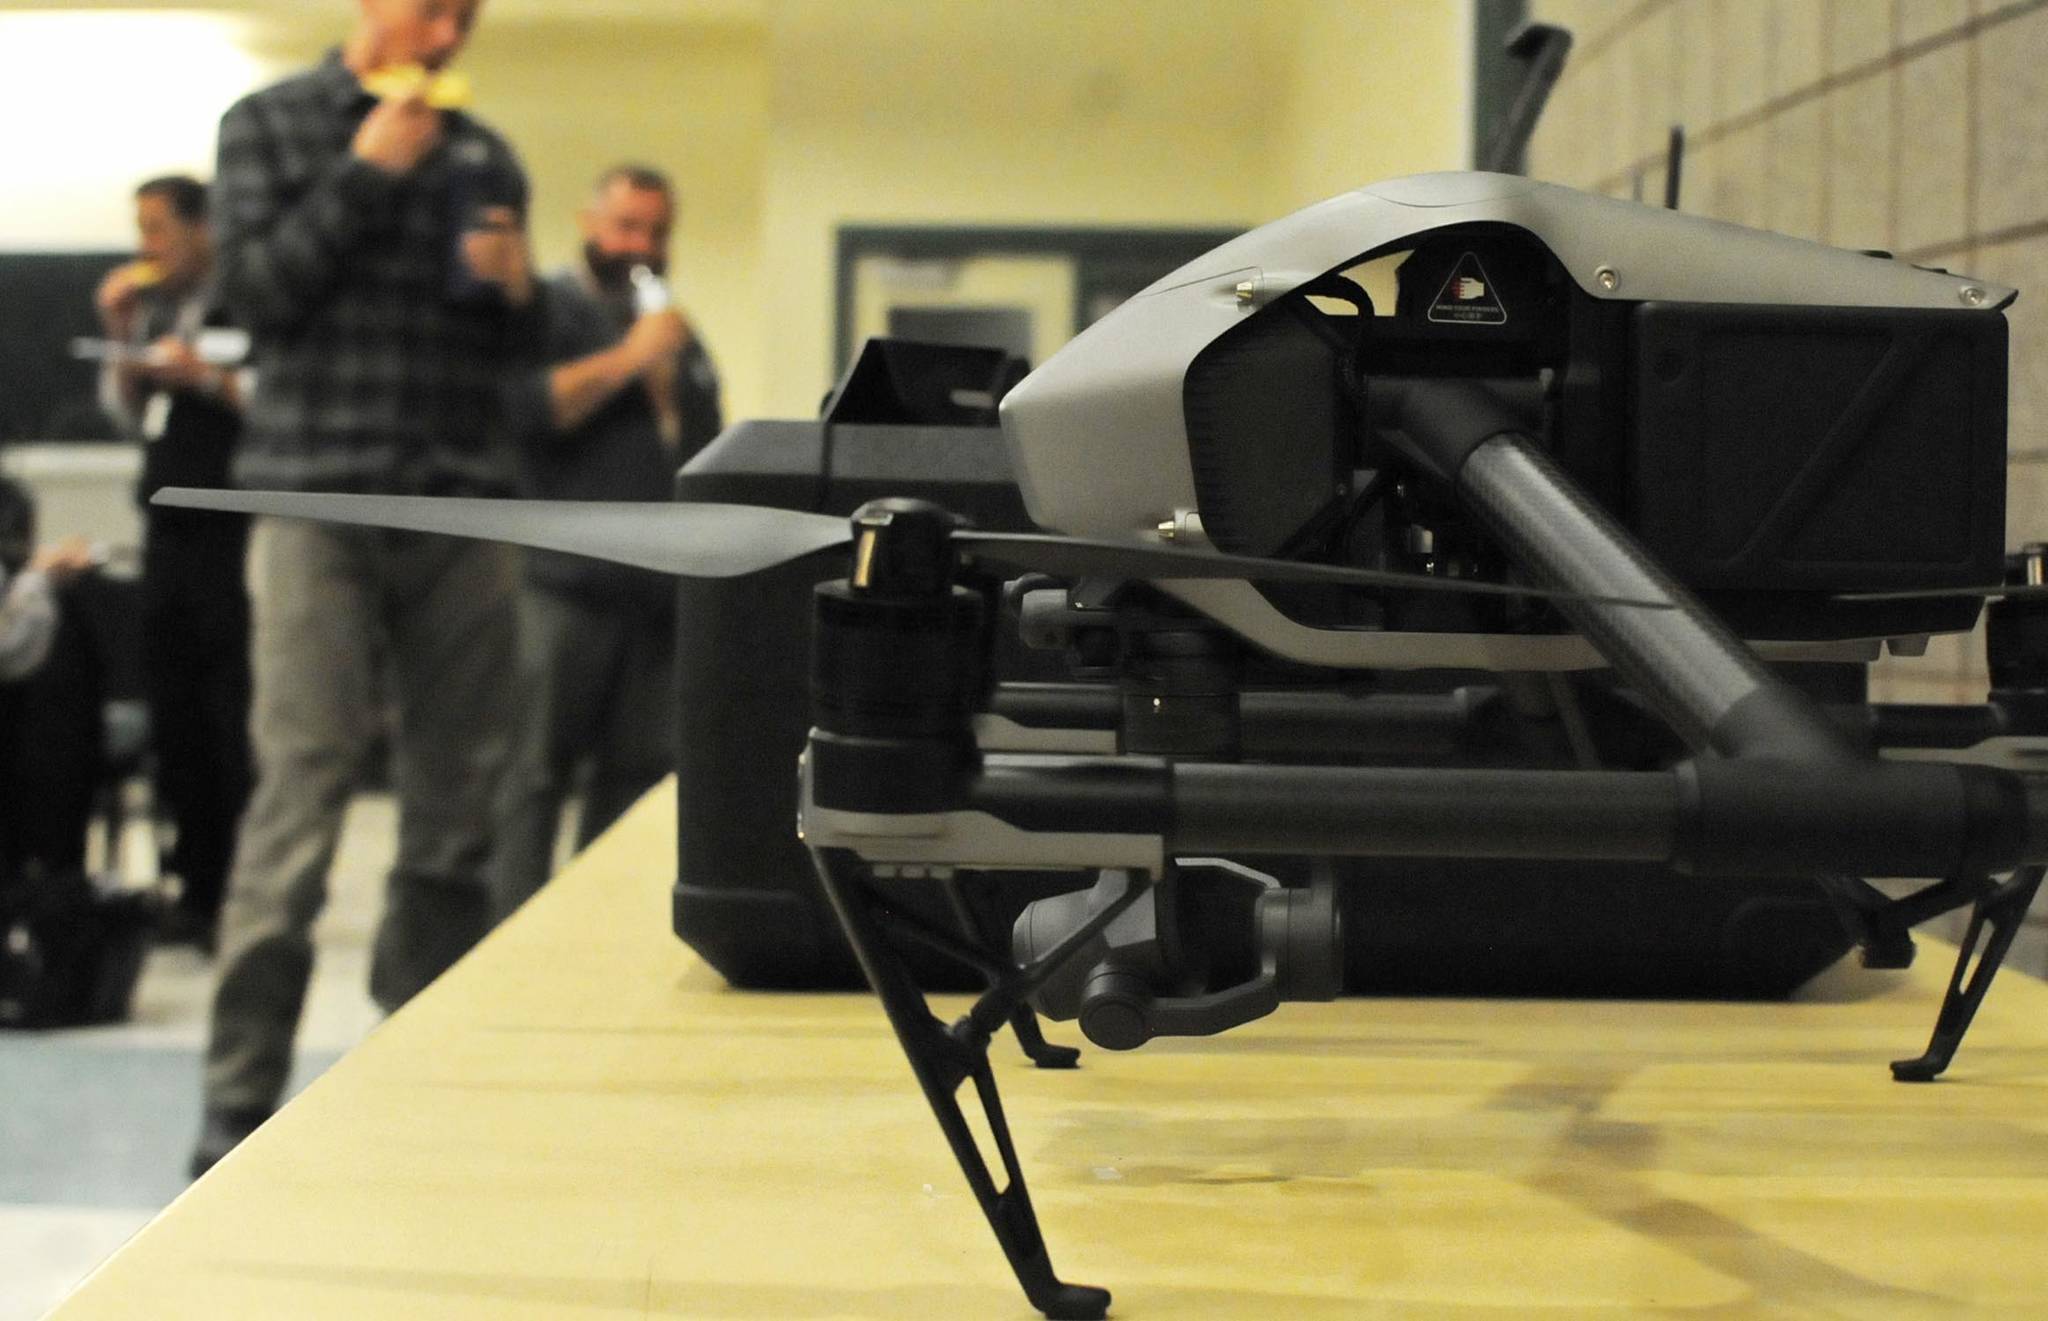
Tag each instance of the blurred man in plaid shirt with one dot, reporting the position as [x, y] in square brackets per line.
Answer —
[372, 243]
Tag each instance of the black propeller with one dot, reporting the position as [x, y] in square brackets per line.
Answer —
[704, 540]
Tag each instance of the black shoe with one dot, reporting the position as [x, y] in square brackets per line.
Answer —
[221, 1133]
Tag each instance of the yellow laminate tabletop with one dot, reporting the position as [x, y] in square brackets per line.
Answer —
[580, 1120]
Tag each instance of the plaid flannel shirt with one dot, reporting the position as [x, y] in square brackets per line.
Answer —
[375, 370]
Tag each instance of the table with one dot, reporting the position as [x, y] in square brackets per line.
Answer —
[581, 1120]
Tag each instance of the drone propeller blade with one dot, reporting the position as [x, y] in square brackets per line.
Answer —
[2015, 591]
[702, 540]
[696, 540]
[1087, 556]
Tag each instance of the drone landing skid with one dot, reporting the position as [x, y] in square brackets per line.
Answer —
[2001, 907]
[994, 967]
[943, 1058]
[892, 775]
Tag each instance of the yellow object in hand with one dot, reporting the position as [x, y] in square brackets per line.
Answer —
[143, 274]
[447, 90]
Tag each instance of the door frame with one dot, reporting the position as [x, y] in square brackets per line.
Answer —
[1100, 255]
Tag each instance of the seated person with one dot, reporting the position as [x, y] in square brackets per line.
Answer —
[71, 953]
[49, 697]
[28, 614]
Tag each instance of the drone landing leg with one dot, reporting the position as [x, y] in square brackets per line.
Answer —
[1023, 1019]
[1024, 1023]
[943, 1058]
[982, 954]
[2002, 907]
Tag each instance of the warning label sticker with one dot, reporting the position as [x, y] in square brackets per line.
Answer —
[1468, 296]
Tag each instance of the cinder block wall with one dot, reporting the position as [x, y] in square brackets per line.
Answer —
[1915, 126]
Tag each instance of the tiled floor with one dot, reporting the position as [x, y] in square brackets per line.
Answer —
[96, 1124]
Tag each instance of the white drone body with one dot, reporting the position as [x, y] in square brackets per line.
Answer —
[1100, 437]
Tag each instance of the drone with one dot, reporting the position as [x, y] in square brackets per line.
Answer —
[1452, 422]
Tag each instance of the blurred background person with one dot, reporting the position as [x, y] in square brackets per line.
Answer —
[626, 395]
[28, 614]
[371, 243]
[28, 608]
[50, 751]
[185, 410]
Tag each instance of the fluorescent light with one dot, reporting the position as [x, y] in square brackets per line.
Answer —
[96, 101]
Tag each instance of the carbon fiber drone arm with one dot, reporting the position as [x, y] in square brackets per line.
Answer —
[1702, 678]
[1711, 816]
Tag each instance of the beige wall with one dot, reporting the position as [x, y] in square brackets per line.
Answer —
[575, 97]
[1371, 94]
[1916, 126]
[784, 119]
[988, 113]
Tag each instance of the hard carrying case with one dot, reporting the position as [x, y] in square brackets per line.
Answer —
[919, 421]
[910, 420]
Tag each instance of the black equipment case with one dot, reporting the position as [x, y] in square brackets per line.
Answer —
[913, 420]
[908, 420]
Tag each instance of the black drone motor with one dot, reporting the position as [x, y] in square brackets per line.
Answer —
[896, 665]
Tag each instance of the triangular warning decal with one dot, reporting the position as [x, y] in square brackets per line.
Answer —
[1469, 296]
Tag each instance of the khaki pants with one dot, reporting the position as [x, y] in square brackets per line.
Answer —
[343, 618]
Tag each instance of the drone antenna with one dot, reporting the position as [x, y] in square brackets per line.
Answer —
[1674, 166]
[1541, 49]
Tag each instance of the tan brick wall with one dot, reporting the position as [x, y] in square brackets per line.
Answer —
[1916, 126]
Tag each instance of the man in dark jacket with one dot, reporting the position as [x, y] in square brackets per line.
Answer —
[185, 409]
[623, 395]
[371, 243]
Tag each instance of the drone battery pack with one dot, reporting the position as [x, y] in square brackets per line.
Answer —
[1820, 449]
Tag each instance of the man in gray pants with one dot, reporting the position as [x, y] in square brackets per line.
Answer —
[622, 395]
[373, 249]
